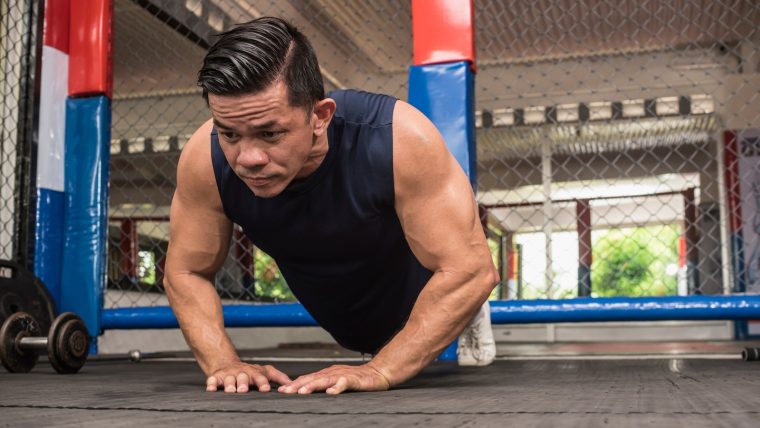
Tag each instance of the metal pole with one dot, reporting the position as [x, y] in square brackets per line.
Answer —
[691, 238]
[583, 219]
[546, 179]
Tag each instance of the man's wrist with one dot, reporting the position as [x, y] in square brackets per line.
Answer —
[220, 363]
[382, 371]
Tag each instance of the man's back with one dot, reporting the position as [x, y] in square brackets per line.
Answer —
[335, 235]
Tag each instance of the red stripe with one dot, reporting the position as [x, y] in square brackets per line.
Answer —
[90, 48]
[443, 31]
[731, 160]
[56, 33]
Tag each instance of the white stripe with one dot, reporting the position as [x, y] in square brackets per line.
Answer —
[613, 357]
[53, 92]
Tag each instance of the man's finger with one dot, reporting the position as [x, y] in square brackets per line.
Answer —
[340, 386]
[276, 375]
[294, 386]
[318, 384]
[242, 382]
[211, 383]
[229, 384]
[261, 381]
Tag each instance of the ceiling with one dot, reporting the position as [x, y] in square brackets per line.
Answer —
[369, 45]
[376, 37]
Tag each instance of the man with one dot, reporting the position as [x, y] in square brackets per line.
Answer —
[369, 217]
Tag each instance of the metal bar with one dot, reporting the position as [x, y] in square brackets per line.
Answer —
[34, 343]
[568, 201]
[128, 246]
[548, 211]
[731, 155]
[583, 220]
[735, 307]
[156, 218]
[691, 234]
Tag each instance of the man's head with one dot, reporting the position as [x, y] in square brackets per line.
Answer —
[251, 56]
[264, 88]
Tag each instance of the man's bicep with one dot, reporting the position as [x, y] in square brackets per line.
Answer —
[434, 200]
[199, 238]
[200, 231]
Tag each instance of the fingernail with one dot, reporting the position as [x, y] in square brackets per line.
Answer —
[303, 390]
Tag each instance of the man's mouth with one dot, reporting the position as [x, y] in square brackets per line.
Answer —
[258, 181]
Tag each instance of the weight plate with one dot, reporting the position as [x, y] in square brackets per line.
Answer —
[15, 327]
[21, 291]
[68, 343]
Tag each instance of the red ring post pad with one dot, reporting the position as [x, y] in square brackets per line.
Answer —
[445, 94]
[443, 31]
[56, 33]
[83, 276]
[90, 48]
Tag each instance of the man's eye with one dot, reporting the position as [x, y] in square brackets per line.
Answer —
[271, 135]
[229, 135]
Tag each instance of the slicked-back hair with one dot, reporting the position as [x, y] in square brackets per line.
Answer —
[250, 57]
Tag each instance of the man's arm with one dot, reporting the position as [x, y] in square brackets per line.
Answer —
[437, 210]
[200, 235]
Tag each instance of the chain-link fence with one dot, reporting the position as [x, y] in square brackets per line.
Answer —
[158, 49]
[18, 44]
[600, 142]
[600, 149]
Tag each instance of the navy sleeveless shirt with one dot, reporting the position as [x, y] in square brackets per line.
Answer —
[335, 236]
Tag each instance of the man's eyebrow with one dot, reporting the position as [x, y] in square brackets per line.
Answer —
[266, 125]
[220, 124]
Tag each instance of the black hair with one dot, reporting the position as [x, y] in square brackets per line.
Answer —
[253, 55]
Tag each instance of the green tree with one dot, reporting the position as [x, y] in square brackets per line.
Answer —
[269, 282]
[633, 262]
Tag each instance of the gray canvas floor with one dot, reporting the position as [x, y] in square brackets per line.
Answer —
[550, 393]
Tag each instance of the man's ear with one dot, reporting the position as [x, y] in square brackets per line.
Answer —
[322, 115]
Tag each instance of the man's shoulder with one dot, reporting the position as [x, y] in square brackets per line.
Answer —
[199, 144]
[359, 106]
[194, 169]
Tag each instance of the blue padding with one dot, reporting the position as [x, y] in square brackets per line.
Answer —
[626, 309]
[445, 94]
[88, 136]
[273, 315]
[449, 353]
[48, 240]
[502, 312]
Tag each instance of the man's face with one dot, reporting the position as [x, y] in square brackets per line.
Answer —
[268, 142]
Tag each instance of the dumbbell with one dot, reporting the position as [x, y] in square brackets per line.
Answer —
[21, 343]
[751, 354]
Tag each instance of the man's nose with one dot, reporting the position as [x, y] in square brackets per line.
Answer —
[252, 157]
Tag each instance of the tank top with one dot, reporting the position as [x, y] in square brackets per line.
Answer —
[335, 235]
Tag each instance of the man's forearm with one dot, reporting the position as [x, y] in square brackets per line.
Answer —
[200, 317]
[444, 308]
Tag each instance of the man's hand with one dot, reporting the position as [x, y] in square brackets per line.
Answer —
[336, 379]
[237, 377]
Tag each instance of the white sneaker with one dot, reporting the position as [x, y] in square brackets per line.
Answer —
[476, 345]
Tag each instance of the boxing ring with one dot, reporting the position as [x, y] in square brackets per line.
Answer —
[686, 385]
